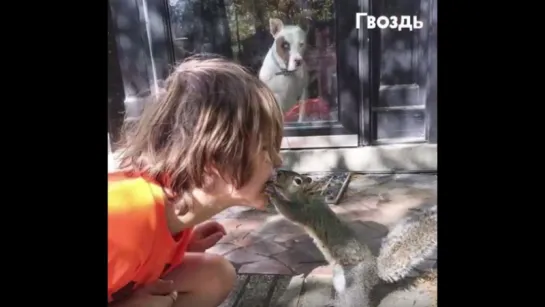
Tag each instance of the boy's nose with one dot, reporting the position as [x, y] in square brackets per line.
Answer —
[277, 162]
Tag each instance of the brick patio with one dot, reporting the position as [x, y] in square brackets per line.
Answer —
[277, 262]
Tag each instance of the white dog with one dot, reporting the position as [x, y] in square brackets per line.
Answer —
[283, 69]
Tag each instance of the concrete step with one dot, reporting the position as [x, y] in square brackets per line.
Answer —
[263, 290]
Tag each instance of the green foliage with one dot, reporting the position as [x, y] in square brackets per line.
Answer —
[245, 16]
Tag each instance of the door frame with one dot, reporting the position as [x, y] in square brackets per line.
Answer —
[145, 55]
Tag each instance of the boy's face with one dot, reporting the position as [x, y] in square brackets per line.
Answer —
[264, 166]
[252, 193]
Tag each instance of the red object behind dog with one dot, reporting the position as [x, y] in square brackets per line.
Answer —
[315, 109]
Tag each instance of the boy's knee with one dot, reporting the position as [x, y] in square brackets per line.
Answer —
[225, 274]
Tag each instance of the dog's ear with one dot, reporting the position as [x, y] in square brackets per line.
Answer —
[275, 25]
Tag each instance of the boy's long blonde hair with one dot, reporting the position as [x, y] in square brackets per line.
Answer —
[212, 112]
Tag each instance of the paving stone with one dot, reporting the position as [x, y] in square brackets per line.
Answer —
[280, 288]
[302, 252]
[360, 182]
[370, 235]
[389, 214]
[232, 236]
[231, 212]
[222, 248]
[233, 224]
[385, 186]
[317, 291]
[408, 298]
[290, 238]
[249, 224]
[410, 194]
[422, 181]
[269, 266]
[381, 229]
[247, 239]
[237, 229]
[240, 256]
[368, 230]
[280, 227]
[301, 241]
[357, 203]
[265, 247]
[307, 268]
[359, 215]
[433, 255]
[286, 293]
[237, 291]
[258, 291]
[426, 265]
[254, 215]
[324, 271]
[413, 273]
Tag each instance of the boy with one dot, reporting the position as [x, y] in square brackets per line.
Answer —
[209, 141]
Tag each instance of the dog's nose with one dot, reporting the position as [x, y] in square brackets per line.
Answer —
[298, 62]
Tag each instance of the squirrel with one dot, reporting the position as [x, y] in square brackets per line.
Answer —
[356, 271]
[409, 242]
[354, 265]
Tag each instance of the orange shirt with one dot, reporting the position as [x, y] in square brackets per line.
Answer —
[141, 249]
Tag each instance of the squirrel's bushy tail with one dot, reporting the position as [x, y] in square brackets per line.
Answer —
[412, 240]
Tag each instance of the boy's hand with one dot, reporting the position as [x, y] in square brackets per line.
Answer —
[147, 300]
[206, 235]
[159, 294]
[160, 287]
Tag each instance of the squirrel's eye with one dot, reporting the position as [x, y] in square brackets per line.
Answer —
[297, 181]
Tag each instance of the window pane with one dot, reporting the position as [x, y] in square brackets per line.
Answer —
[399, 124]
[290, 44]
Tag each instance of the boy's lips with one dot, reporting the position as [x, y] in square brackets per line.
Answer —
[269, 188]
[270, 184]
[273, 176]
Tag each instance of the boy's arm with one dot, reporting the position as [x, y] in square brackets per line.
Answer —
[198, 215]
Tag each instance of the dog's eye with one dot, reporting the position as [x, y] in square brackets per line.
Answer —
[286, 45]
[297, 181]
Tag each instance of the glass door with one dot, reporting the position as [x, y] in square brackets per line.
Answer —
[320, 97]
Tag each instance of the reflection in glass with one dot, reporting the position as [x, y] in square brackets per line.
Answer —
[289, 44]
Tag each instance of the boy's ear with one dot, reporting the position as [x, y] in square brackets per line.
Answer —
[211, 170]
[212, 179]
[213, 173]
[210, 173]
